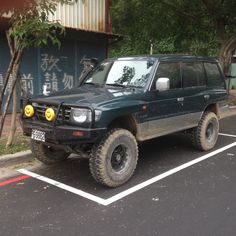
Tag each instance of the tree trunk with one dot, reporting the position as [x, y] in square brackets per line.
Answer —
[226, 52]
[13, 119]
[24, 91]
[15, 77]
[9, 70]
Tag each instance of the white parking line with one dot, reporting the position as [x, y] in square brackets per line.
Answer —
[228, 135]
[64, 186]
[131, 190]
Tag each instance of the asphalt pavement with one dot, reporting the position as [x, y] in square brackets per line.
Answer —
[176, 190]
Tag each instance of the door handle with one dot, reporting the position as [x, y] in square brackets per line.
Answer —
[206, 97]
[180, 99]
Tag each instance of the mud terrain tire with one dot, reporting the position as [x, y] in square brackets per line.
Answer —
[205, 135]
[47, 154]
[114, 159]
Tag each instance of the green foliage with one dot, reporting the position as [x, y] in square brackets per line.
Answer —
[21, 143]
[30, 27]
[173, 26]
[35, 33]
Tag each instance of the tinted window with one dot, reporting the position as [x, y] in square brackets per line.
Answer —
[213, 75]
[193, 74]
[171, 71]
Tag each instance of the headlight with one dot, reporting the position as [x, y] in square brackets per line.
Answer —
[29, 111]
[50, 114]
[81, 115]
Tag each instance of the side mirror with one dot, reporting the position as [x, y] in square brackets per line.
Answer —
[163, 84]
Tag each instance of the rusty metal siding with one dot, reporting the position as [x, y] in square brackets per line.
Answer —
[83, 14]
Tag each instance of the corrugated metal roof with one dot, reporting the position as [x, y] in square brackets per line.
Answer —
[7, 5]
[84, 14]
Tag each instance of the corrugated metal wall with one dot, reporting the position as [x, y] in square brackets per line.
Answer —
[83, 14]
[57, 68]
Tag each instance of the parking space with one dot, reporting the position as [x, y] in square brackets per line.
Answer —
[60, 175]
[175, 190]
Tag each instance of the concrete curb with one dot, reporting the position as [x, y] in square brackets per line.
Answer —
[16, 158]
[232, 110]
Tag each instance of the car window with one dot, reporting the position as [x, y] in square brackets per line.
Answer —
[214, 78]
[123, 73]
[169, 70]
[99, 74]
[193, 74]
[134, 73]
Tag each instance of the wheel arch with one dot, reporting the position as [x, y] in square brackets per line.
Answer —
[127, 122]
[214, 107]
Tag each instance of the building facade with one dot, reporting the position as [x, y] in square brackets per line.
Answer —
[88, 34]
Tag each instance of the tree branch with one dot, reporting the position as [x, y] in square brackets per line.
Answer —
[177, 10]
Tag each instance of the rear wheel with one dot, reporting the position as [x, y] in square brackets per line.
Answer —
[205, 135]
[47, 154]
[114, 159]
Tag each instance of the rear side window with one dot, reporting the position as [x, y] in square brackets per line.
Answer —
[193, 74]
[214, 78]
[170, 70]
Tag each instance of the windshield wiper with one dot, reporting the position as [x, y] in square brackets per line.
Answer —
[133, 86]
[91, 83]
[117, 85]
[124, 86]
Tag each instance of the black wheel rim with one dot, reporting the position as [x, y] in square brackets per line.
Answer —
[119, 158]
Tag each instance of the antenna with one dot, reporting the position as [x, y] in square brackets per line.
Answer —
[151, 47]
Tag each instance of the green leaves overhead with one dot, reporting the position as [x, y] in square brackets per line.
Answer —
[30, 26]
[35, 32]
[173, 26]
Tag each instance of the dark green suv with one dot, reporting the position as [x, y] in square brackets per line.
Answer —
[122, 102]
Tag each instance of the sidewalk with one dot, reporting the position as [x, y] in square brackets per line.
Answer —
[232, 93]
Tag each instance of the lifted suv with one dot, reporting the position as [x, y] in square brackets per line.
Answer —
[122, 102]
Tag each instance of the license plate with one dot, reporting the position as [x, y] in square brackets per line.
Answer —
[38, 135]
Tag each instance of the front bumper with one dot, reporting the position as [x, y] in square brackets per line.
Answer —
[64, 134]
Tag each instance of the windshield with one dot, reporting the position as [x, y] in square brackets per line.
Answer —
[121, 73]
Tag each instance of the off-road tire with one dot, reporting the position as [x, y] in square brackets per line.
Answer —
[46, 154]
[114, 159]
[205, 135]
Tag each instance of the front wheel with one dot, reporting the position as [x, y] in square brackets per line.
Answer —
[205, 135]
[47, 154]
[114, 159]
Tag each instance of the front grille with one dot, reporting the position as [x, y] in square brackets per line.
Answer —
[63, 116]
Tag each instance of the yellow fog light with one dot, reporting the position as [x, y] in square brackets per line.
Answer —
[50, 114]
[29, 111]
